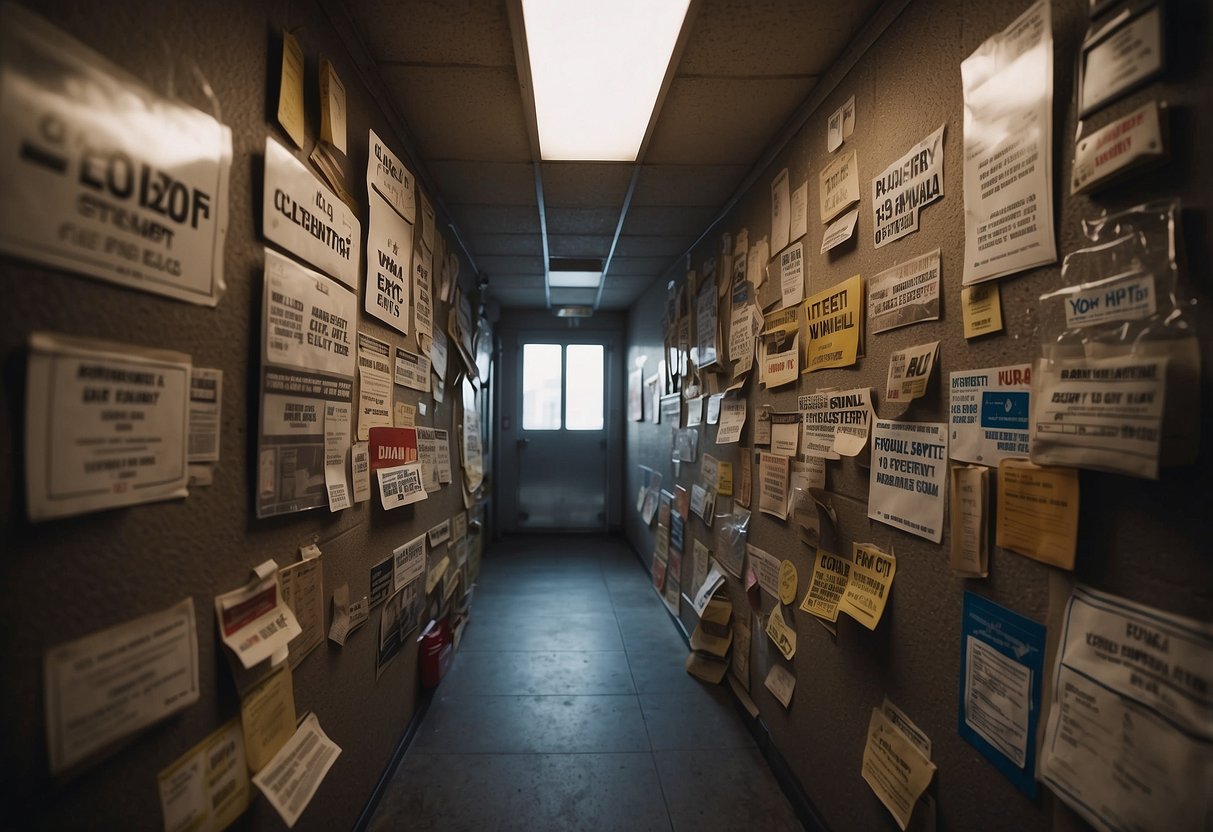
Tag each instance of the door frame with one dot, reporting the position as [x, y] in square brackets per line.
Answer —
[507, 428]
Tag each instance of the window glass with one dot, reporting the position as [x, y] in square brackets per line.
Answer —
[583, 389]
[541, 387]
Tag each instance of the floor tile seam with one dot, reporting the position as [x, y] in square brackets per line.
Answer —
[518, 695]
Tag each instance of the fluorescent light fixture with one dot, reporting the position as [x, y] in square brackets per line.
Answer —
[574, 280]
[596, 69]
[574, 311]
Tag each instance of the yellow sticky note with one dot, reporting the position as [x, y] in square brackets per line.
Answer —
[982, 309]
[1038, 511]
[724, 480]
[332, 107]
[267, 715]
[826, 585]
[290, 90]
[833, 321]
[868, 586]
[787, 582]
[207, 788]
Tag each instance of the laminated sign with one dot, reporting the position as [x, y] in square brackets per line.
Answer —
[100, 175]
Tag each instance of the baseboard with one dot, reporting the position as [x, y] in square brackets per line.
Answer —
[788, 782]
[424, 697]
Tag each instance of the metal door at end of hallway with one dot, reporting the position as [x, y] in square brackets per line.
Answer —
[562, 434]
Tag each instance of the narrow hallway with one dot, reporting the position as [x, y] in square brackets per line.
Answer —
[568, 707]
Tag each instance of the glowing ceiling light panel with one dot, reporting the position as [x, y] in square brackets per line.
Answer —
[596, 70]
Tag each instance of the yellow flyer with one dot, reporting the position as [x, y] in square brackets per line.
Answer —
[833, 326]
[1038, 511]
[868, 586]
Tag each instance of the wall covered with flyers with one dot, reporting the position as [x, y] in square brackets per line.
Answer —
[243, 456]
[926, 410]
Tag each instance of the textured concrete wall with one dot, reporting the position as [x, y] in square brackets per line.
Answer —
[65, 579]
[1141, 539]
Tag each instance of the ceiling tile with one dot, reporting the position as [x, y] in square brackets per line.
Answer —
[483, 245]
[560, 297]
[510, 265]
[578, 245]
[651, 266]
[513, 282]
[520, 298]
[436, 31]
[652, 246]
[461, 112]
[509, 183]
[703, 185]
[723, 121]
[770, 37]
[495, 219]
[591, 184]
[681, 220]
[563, 220]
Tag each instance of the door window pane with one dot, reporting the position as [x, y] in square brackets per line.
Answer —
[541, 387]
[583, 389]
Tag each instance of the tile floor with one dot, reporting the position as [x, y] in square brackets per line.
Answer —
[568, 708]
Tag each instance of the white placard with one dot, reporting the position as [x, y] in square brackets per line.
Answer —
[389, 245]
[1128, 56]
[102, 176]
[909, 476]
[1008, 149]
[905, 187]
[1128, 298]
[1124, 144]
[905, 294]
[111, 684]
[106, 425]
[412, 370]
[989, 412]
[388, 175]
[301, 215]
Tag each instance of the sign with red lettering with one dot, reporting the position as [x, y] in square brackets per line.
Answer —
[392, 447]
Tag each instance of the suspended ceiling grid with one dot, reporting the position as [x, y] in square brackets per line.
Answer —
[450, 68]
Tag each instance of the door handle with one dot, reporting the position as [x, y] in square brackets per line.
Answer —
[522, 442]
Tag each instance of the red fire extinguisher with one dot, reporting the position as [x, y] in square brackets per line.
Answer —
[436, 652]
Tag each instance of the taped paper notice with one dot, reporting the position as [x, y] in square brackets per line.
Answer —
[1008, 149]
[206, 404]
[1038, 511]
[106, 425]
[990, 411]
[332, 107]
[1129, 693]
[336, 454]
[981, 307]
[304, 217]
[894, 768]
[766, 567]
[910, 371]
[110, 684]
[290, 780]
[412, 370]
[909, 476]
[267, 717]
[839, 231]
[1100, 413]
[389, 246]
[781, 214]
[102, 176]
[347, 616]
[254, 621]
[905, 188]
[1125, 145]
[1001, 666]
[780, 633]
[800, 212]
[408, 562]
[773, 481]
[791, 275]
[1120, 299]
[833, 326]
[905, 294]
[827, 583]
[374, 384]
[401, 486]
[207, 788]
[867, 589]
[388, 175]
[839, 186]
[969, 556]
[290, 96]
[781, 683]
[836, 424]
[360, 462]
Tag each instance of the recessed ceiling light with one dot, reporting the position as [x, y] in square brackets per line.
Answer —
[574, 311]
[596, 70]
[574, 280]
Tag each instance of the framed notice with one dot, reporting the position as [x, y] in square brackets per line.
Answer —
[1121, 56]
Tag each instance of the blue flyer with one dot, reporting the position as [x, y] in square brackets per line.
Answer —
[1001, 672]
